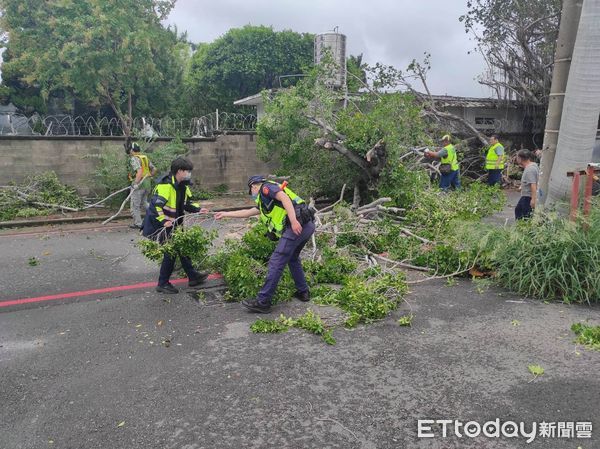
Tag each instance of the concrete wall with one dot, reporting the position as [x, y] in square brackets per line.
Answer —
[227, 159]
[506, 120]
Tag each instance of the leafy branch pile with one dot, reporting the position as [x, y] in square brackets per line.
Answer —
[418, 235]
[39, 195]
[353, 261]
[365, 299]
[310, 322]
[243, 265]
[195, 242]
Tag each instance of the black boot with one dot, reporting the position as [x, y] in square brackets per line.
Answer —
[255, 306]
[197, 279]
[167, 288]
[302, 296]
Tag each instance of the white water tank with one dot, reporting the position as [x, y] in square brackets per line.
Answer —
[335, 44]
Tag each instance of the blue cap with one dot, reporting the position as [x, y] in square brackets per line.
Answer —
[255, 180]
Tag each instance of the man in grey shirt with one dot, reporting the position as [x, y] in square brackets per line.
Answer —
[529, 185]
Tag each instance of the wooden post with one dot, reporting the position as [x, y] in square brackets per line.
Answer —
[575, 196]
[587, 195]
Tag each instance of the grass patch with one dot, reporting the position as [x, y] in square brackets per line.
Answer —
[589, 336]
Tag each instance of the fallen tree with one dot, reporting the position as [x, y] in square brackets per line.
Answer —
[38, 195]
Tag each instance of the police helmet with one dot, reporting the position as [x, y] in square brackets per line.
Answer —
[255, 180]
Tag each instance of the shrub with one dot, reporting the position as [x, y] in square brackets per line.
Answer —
[193, 242]
[444, 259]
[162, 156]
[434, 211]
[27, 212]
[111, 172]
[199, 193]
[551, 259]
[113, 166]
[547, 257]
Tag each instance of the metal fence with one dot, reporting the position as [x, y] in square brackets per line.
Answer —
[13, 124]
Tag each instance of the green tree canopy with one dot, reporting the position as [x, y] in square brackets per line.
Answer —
[323, 145]
[106, 53]
[243, 62]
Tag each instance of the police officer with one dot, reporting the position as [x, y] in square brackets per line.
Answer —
[449, 169]
[494, 161]
[288, 219]
[141, 169]
[170, 200]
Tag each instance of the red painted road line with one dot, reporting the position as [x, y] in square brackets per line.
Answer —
[97, 291]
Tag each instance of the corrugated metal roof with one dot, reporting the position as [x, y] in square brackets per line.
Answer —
[251, 100]
[473, 102]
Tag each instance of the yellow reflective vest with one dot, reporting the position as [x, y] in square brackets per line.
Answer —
[451, 159]
[491, 158]
[163, 203]
[271, 210]
[144, 162]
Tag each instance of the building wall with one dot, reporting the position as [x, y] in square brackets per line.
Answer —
[227, 159]
[510, 121]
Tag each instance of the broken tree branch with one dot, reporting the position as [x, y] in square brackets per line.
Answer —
[352, 156]
[123, 203]
[325, 209]
[374, 203]
[400, 264]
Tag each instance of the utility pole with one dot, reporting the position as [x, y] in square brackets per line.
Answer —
[567, 32]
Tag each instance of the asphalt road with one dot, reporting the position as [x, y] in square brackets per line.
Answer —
[126, 369]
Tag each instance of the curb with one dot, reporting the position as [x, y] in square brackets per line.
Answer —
[72, 220]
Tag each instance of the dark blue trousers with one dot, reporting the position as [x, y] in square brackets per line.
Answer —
[168, 264]
[494, 177]
[287, 253]
[523, 208]
[451, 179]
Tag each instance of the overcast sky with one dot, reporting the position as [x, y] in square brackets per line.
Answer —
[386, 31]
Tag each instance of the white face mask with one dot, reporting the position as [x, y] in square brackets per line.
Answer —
[187, 176]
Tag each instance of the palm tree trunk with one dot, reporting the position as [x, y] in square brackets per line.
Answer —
[581, 106]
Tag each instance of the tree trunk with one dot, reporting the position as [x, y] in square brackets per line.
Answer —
[569, 21]
[581, 106]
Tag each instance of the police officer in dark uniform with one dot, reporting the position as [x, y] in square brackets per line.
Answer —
[288, 219]
[171, 199]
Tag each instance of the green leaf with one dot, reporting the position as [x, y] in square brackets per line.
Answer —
[406, 320]
[536, 370]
